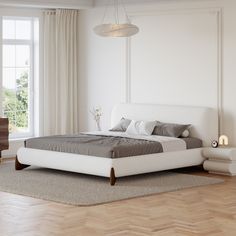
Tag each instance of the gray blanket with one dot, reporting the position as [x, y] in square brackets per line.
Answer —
[95, 145]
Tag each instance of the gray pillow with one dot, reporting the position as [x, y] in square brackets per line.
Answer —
[169, 129]
[121, 126]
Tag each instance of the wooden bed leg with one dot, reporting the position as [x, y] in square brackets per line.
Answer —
[112, 177]
[19, 166]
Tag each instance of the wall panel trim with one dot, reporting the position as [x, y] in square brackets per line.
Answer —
[219, 18]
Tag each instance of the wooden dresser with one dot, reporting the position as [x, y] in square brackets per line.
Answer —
[4, 134]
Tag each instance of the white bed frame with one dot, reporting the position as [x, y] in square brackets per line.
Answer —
[204, 126]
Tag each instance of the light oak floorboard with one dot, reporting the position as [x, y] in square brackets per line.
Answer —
[208, 210]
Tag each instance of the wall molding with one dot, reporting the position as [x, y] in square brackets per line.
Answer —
[219, 18]
[220, 108]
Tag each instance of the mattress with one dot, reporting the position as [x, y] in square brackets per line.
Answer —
[111, 145]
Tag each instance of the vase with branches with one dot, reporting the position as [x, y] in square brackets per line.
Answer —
[97, 113]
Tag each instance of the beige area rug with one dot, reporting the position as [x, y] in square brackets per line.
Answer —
[85, 190]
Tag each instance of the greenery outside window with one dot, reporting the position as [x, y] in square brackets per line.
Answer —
[17, 74]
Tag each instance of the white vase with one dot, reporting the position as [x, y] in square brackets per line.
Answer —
[98, 127]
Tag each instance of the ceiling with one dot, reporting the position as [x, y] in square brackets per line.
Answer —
[133, 2]
[72, 4]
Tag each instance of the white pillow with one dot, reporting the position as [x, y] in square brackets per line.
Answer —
[141, 127]
[185, 134]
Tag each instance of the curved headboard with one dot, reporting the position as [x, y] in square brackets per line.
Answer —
[204, 120]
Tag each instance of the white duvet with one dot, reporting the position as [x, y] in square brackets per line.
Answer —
[169, 144]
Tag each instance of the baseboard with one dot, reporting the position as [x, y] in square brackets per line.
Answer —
[222, 173]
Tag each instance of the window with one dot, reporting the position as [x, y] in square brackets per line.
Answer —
[18, 74]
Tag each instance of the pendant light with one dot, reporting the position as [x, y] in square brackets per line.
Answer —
[116, 29]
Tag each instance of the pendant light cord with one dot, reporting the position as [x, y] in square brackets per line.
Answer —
[105, 12]
[116, 11]
[125, 11]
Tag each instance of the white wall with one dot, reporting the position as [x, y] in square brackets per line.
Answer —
[173, 56]
[178, 48]
[102, 71]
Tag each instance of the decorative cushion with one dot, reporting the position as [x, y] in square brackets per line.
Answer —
[141, 127]
[121, 126]
[185, 134]
[169, 129]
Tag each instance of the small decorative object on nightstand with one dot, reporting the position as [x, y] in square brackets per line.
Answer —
[220, 160]
[214, 144]
[223, 140]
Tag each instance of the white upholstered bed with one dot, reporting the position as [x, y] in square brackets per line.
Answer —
[204, 126]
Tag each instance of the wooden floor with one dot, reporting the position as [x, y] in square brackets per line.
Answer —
[208, 210]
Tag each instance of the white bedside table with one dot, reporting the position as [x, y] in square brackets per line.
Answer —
[221, 160]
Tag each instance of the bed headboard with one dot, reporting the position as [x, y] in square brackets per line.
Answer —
[204, 120]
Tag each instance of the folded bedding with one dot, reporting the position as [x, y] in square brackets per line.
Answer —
[112, 144]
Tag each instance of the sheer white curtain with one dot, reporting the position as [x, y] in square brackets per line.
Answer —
[60, 66]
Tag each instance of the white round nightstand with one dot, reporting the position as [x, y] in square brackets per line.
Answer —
[220, 160]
